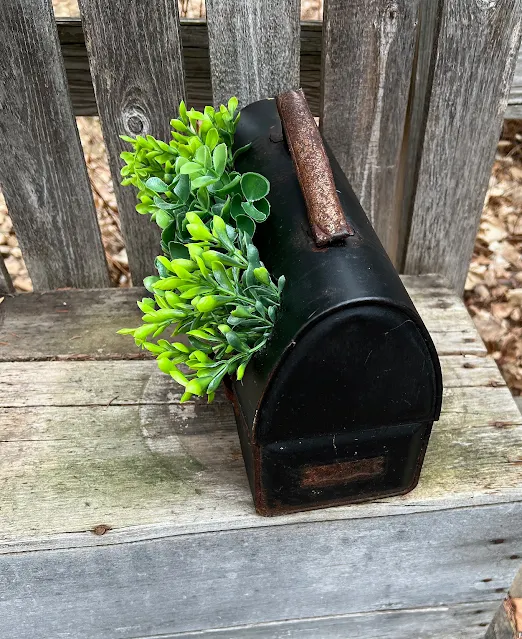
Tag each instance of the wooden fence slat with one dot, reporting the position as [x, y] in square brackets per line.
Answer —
[368, 55]
[135, 55]
[428, 22]
[476, 53]
[254, 48]
[6, 285]
[42, 170]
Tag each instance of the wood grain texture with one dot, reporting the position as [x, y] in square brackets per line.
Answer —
[367, 64]
[194, 39]
[6, 284]
[460, 621]
[254, 48]
[79, 325]
[476, 52]
[91, 447]
[514, 108]
[42, 170]
[135, 56]
[70, 324]
[267, 574]
[421, 83]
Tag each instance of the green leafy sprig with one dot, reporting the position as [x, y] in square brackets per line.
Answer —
[194, 172]
[211, 284]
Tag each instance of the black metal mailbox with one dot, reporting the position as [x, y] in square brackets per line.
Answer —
[339, 406]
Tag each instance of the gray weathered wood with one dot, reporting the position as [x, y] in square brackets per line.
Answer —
[72, 324]
[42, 170]
[514, 108]
[194, 39]
[367, 64]
[254, 48]
[472, 75]
[461, 621]
[194, 582]
[83, 324]
[90, 447]
[135, 55]
[6, 285]
[422, 78]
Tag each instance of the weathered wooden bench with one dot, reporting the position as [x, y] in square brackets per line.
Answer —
[117, 516]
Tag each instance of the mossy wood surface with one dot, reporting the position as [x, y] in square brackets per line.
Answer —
[117, 499]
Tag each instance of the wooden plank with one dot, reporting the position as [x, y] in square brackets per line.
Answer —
[368, 57]
[460, 621]
[262, 575]
[73, 425]
[92, 447]
[42, 170]
[6, 284]
[54, 383]
[135, 56]
[72, 324]
[82, 324]
[194, 39]
[473, 71]
[264, 58]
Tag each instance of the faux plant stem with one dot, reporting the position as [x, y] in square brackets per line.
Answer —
[211, 284]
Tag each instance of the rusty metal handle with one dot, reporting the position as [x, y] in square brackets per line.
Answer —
[313, 169]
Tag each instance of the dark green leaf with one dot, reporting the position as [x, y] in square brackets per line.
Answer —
[236, 343]
[253, 212]
[254, 186]
[178, 251]
[182, 188]
[246, 224]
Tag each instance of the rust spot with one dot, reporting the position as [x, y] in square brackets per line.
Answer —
[497, 541]
[494, 383]
[468, 365]
[500, 589]
[101, 529]
[343, 472]
[314, 173]
[514, 556]
[488, 579]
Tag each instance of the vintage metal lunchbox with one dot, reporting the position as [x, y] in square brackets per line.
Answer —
[339, 406]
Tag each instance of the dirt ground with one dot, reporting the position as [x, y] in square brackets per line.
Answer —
[494, 284]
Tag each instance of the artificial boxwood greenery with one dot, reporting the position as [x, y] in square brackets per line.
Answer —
[211, 284]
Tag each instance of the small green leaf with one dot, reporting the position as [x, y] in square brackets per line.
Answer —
[246, 224]
[232, 105]
[149, 282]
[254, 186]
[212, 138]
[182, 188]
[281, 283]
[253, 212]
[156, 185]
[178, 250]
[203, 180]
[219, 158]
[202, 156]
[191, 168]
[261, 275]
[236, 343]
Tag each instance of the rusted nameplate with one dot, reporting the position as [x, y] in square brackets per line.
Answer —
[343, 472]
[325, 213]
